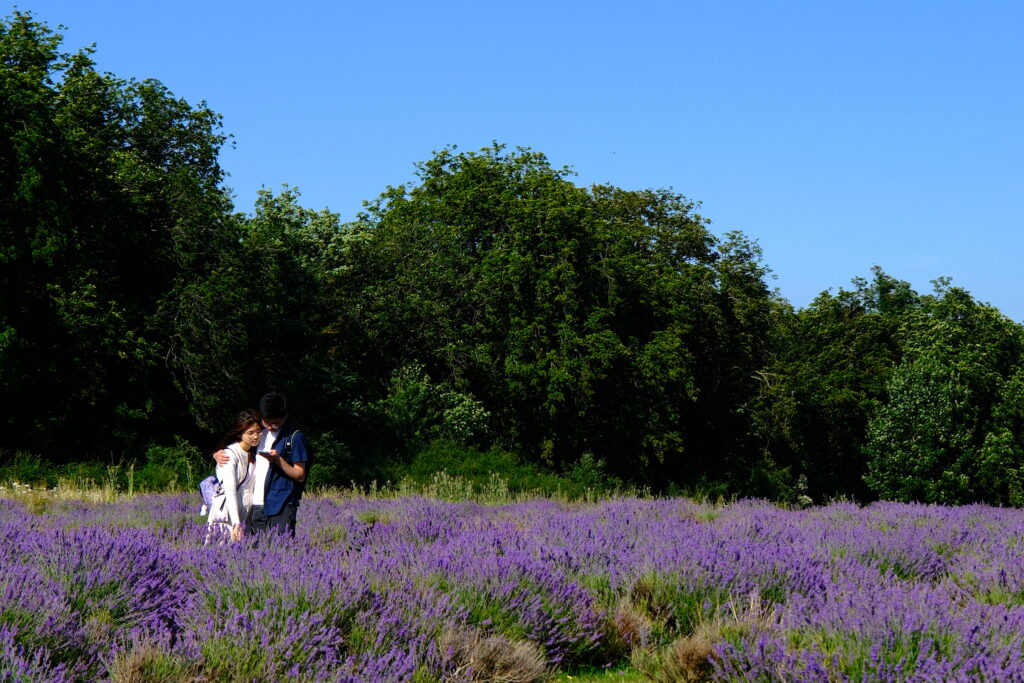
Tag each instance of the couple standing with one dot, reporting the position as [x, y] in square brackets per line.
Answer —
[262, 465]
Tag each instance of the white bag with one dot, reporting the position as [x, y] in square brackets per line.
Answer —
[219, 508]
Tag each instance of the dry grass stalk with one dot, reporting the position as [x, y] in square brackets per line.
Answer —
[148, 663]
[630, 625]
[494, 659]
[689, 658]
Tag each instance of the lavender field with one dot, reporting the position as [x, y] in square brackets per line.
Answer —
[416, 589]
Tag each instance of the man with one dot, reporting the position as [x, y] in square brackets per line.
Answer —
[282, 462]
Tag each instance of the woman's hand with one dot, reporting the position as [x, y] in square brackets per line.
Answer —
[221, 457]
[237, 533]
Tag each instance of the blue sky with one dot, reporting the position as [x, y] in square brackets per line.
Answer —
[840, 135]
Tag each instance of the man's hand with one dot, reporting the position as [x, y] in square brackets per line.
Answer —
[273, 456]
[221, 457]
[296, 471]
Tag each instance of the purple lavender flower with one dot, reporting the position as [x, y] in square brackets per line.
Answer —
[397, 589]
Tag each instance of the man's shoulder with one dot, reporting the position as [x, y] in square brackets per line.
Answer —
[297, 444]
[291, 431]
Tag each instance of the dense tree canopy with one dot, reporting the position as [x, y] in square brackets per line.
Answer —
[491, 304]
[584, 320]
[828, 372]
[110, 204]
[950, 429]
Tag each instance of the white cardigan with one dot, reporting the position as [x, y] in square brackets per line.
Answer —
[237, 480]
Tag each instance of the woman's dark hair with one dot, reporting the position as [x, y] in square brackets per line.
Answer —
[243, 421]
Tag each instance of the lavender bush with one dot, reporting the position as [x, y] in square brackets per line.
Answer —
[417, 589]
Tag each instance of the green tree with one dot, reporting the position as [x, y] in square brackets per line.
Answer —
[111, 201]
[946, 433]
[584, 320]
[828, 372]
[254, 319]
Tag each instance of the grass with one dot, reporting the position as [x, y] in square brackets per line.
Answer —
[38, 498]
[622, 674]
[442, 486]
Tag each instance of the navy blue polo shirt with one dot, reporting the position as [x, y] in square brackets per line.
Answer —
[280, 489]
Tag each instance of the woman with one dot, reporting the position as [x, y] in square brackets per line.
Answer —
[230, 510]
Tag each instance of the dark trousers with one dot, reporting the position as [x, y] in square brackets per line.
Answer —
[283, 522]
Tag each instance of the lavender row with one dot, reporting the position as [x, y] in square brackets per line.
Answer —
[418, 589]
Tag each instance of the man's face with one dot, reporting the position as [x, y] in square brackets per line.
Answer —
[273, 423]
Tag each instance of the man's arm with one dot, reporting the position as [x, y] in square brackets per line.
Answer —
[296, 471]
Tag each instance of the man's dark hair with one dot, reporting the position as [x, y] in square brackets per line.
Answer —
[273, 405]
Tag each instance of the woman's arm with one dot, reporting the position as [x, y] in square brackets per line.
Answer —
[229, 480]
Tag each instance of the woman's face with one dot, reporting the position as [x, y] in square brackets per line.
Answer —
[251, 435]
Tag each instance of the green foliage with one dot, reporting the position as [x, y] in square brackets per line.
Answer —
[110, 199]
[331, 464]
[915, 440]
[457, 472]
[254, 318]
[565, 338]
[945, 434]
[600, 320]
[477, 468]
[165, 468]
[768, 479]
[25, 468]
[416, 410]
[589, 473]
[90, 474]
[827, 375]
[171, 468]
[883, 392]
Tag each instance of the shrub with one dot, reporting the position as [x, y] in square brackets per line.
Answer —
[417, 410]
[684, 660]
[476, 467]
[26, 468]
[170, 467]
[589, 473]
[331, 461]
[494, 658]
[150, 663]
[91, 474]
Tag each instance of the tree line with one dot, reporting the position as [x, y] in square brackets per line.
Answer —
[490, 304]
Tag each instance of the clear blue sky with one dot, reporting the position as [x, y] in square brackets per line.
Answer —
[840, 135]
